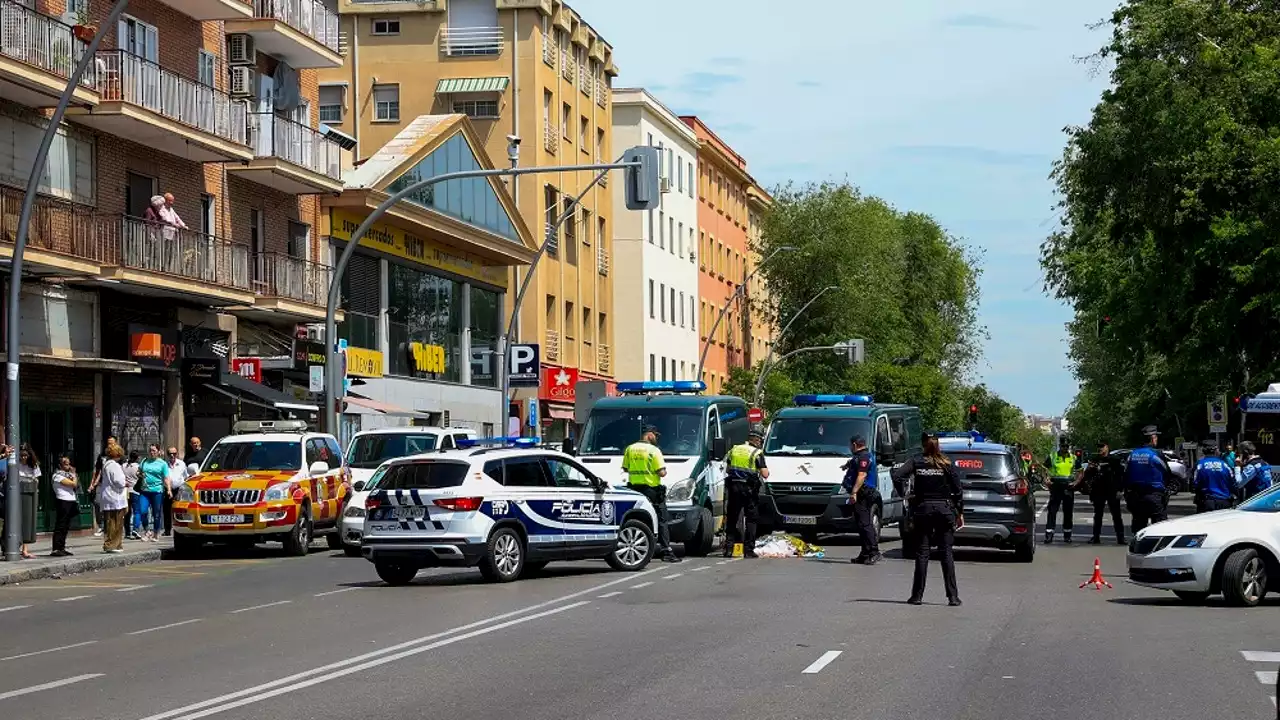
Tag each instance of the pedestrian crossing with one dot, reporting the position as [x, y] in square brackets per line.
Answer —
[1262, 658]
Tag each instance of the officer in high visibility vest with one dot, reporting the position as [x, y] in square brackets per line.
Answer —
[746, 471]
[1062, 488]
[645, 468]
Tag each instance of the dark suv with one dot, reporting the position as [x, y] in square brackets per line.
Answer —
[999, 508]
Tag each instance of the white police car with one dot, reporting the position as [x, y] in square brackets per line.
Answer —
[504, 509]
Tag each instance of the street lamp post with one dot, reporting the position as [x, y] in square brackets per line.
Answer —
[839, 347]
[724, 310]
[772, 346]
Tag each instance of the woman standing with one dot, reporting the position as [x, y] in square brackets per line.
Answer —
[155, 484]
[65, 488]
[934, 498]
[28, 471]
[115, 499]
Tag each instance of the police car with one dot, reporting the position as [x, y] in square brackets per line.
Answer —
[504, 505]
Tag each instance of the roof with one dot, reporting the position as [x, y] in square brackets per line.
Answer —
[664, 401]
[271, 437]
[825, 411]
[411, 430]
[960, 444]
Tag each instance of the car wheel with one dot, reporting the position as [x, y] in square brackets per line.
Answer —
[351, 550]
[395, 574]
[505, 559]
[634, 549]
[1191, 596]
[704, 538]
[298, 541]
[184, 544]
[334, 540]
[1244, 578]
[1026, 552]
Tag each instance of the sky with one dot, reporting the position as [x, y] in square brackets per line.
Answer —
[954, 108]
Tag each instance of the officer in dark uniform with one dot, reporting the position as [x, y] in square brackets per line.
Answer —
[935, 500]
[1146, 477]
[860, 483]
[1102, 476]
[1213, 482]
[746, 471]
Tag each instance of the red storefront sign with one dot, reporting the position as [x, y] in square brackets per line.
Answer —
[249, 368]
[558, 384]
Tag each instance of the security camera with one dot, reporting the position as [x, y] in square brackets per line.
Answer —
[514, 140]
[513, 149]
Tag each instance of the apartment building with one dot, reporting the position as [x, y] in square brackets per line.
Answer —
[656, 298]
[151, 322]
[529, 68]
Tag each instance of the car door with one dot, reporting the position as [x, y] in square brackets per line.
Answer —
[530, 501]
[891, 502]
[589, 521]
[317, 485]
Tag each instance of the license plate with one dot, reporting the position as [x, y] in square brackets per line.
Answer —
[224, 519]
[799, 520]
[975, 495]
[410, 513]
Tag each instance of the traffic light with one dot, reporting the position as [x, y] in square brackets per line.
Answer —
[1103, 323]
[973, 415]
[642, 191]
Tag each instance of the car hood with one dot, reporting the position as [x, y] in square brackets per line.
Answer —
[1235, 521]
[234, 479]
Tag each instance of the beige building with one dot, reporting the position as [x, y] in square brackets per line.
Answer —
[529, 68]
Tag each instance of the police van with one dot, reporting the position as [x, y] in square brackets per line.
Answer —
[805, 448]
[504, 505]
[695, 433]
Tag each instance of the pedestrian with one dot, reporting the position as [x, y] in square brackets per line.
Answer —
[28, 472]
[1230, 455]
[1214, 481]
[65, 486]
[1063, 479]
[195, 456]
[860, 482]
[177, 477]
[115, 499]
[154, 473]
[1255, 473]
[746, 472]
[1103, 479]
[95, 488]
[1146, 479]
[645, 468]
[133, 494]
[935, 500]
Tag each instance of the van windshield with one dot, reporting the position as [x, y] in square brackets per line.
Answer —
[610, 430]
[815, 436]
[369, 451]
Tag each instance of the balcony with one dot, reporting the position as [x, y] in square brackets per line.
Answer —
[552, 349]
[471, 41]
[567, 65]
[602, 93]
[212, 9]
[291, 157]
[292, 287]
[551, 138]
[548, 51]
[162, 110]
[586, 86]
[602, 260]
[167, 261]
[303, 33]
[543, 5]
[64, 238]
[604, 360]
[37, 56]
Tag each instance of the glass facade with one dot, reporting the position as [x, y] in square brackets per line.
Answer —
[424, 313]
[486, 324]
[471, 200]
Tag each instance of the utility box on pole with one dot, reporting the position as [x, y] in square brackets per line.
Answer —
[642, 190]
[854, 351]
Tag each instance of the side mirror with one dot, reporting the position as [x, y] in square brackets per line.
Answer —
[319, 467]
[719, 448]
[567, 446]
[359, 486]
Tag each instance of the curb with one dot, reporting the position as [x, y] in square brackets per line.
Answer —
[80, 565]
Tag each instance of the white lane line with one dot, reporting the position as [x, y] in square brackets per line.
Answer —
[131, 588]
[1261, 656]
[700, 569]
[14, 607]
[42, 652]
[673, 576]
[723, 562]
[641, 585]
[73, 597]
[377, 653]
[1266, 677]
[216, 709]
[48, 685]
[164, 627]
[335, 592]
[821, 662]
[259, 607]
[615, 593]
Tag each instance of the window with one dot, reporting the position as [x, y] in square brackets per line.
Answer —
[662, 302]
[565, 474]
[681, 309]
[690, 178]
[138, 38]
[205, 64]
[299, 239]
[664, 368]
[569, 321]
[681, 370]
[386, 103]
[331, 103]
[570, 233]
[651, 301]
[601, 235]
[680, 174]
[662, 236]
[602, 322]
[673, 307]
[680, 239]
[424, 310]
[587, 227]
[386, 26]
[690, 246]
[653, 367]
[673, 369]
[584, 130]
[551, 199]
[477, 109]
[566, 112]
[671, 163]
[586, 326]
[546, 108]
[206, 214]
[551, 312]
[671, 233]
[690, 309]
[651, 233]
[702, 246]
[599, 145]
[518, 472]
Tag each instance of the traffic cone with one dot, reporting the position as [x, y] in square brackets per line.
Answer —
[1097, 581]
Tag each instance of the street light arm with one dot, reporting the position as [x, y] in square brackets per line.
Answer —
[764, 371]
[706, 347]
[772, 346]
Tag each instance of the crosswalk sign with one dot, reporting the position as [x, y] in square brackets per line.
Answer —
[1218, 410]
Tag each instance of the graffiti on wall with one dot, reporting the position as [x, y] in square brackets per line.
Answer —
[136, 421]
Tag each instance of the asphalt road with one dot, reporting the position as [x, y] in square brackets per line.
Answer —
[261, 636]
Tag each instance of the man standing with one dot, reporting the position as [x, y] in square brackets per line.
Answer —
[1062, 485]
[1213, 481]
[1255, 473]
[177, 478]
[746, 470]
[1104, 489]
[195, 457]
[860, 482]
[1146, 475]
[645, 468]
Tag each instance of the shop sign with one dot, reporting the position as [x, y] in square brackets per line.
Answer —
[558, 384]
[153, 347]
[399, 243]
[362, 362]
[306, 354]
[204, 343]
[426, 358]
[315, 380]
[202, 371]
[249, 368]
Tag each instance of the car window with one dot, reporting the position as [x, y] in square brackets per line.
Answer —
[447, 443]
[335, 452]
[259, 455]
[898, 433]
[567, 475]
[884, 441]
[524, 472]
[430, 475]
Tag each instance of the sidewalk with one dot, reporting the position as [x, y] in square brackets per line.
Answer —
[87, 556]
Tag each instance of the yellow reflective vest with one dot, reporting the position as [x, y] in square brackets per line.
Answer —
[642, 461]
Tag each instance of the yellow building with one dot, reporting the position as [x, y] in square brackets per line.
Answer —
[763, 320]
[529, 68]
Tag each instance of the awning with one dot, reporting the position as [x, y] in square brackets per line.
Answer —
[237, 387]
[382, 408]
[472, 85]
[556, 413]
[79, 363]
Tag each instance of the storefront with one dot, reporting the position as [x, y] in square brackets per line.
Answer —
[557, 399]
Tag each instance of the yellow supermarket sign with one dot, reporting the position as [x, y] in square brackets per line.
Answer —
[362, 362]
[405, 245]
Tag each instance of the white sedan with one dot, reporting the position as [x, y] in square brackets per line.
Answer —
[351, 527]
[1233, 552]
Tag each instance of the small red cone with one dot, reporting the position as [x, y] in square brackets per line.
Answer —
[1097, 581]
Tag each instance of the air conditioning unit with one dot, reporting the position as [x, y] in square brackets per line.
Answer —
[243, 80]
[664, 185]
[240, 49]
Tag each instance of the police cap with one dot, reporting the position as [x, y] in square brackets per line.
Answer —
[1150, 430]
[756, 431]
[1209, 447]
[647, 428]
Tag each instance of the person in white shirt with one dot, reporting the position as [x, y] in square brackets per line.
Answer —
[65, 488]
[177, 477]
[115, 500]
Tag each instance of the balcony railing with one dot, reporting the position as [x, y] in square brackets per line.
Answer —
[586, 85]
[284, 276]
[551, 138]
[548, 51]
[566, 64]
[602, 92]
[604, 359]
[602, 260]
[58, 226]
[308, 17]
[40, 41]
[124, 77]
[552, 349]
[470, 41]
[275, 136]
[183, 253]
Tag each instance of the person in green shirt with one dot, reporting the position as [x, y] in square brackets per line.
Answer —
[1063, 478]
[154, 482]
[645, 468]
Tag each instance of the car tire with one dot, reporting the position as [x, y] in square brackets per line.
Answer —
[184, 544]
[704, 538]
[298, 541]
[1026, 552]
[1194, 597]
[351, 550]
[1244, 578]
[334, 540]
[504, 560]
[395, 574]
[635, 547]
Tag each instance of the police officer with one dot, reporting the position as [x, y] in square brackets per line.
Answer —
[935, 500]
[746, 471]
[1062, 485]
[645, 468]
[860, 483]
[1255, 473]
[1103, 479]
[1214, 481]
[1146, 477]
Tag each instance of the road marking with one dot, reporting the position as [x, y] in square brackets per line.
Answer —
[164, 627]
[700, 569]
[384, 651]
[335, 592]
[723, 562]
[641, 585]
[260, 607]
[672, 576]
[1261, 656]
[14, 607]
[131, 588]
[50, 650]
[821, 662]
[73, 597]
[49, 685]
[615, 593]
[257, 698]
[1266, 677]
